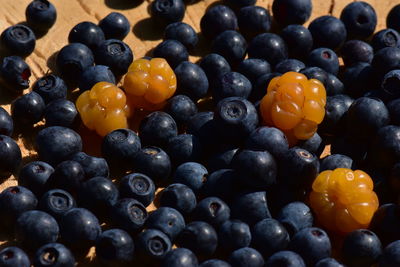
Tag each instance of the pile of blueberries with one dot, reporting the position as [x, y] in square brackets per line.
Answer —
[233, 192]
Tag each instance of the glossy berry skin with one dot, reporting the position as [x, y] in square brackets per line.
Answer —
[35, 228]
[10, 156]
[343, 200]
[333, 85]
[216, 20]
[298, 39]
[289, 65]
[258, 90]
[79, 228]
[167, 11]
[73, 59]
[192, 174]
[68, 175]
[231, 45]
[253, 20]
[14, 74]
[246, 257]
[335, 117]
[253, 68]
[291, 11]
[6, 123]
[214, 263]
[312, 244]
[200, 237]
[214, 65]
[57, 202]
[328, 262]
[149, 83]
[268, 46]
[119, 148]
[41, 15]
[153, 245]
[269, 236]
[129, 214]
[179, 197]
[360, 20]
[390, 256]
[115, 54]
[221, 183]
[221, 159]
[315, 73]
[385, 150]
[61, 112]
[361, 248]
[86, 33]
[54, 254]
[184, 148]
[385, 60]
[114, 246]
[267, 138]
[285, 258]
[233, 234]
[231, 84]
[183, 33]
[153, 162]
[28, 109]
[157, 129]
[14, 256]
[168, 220]
[295, 216]
[250, 207]
[139, 187]
[334, 161]
[180, 257]
[34, 175]
[384, 223]
[212, 210]
[115, 26]
[94, 74]
[393, 18]
[324, 58]
[18, 40]
[191, 80]
[181, 108]
[354, 51]
[328, 31]
[173, 51]
[385, 38]
[50, 87]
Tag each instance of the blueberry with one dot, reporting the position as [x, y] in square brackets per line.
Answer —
[129, 214]
[328, 31]
[214, 65]
[183, 33]
[212, 210]
[115, 26]
[354, 51]
[119, 148]
[34, 175]
[221, 183]
[184, 148]
[114, 246]
[168, 220]
[154, 162]
[139, 187]
[153, 245]
[14, 256]
[250, 207]
[334, 161]
[291, 11]
[295, 216]
[253, 68]
[231, 84]
[333, 85]
[360, 20]
[179, 197]
[233, 234]
[221, 159]
[98, 194]
[231, 45]
[384, 222]
[312, 244]
[298, 39]
[57, 202]
[54, 254]
[94, 74]
[285, 258]
[167, 11]
[214, 263]
[180, 257]
[253, 20]
[191, 80]
[173, 51]
[217, 19]
[328, 262]
[258, 90]
[203, 125]
[14, 74]
[315, 144]
[268, 46]
[10, 156]
[390, 256]
[18, 40]
[386, 59]
[390, 84]
[394, 111]
[192, 174]
[41, 15]
[28, 109]
[350, 147]
[324, 58]
[157, 129]
[115, 54]
[92, 166]
[68, 175]
[73, 59]
[393, 18]
[15, 200]
[86, 33]
[269, 236]
[315, 73]
[200, 237]
[267, 138]
[385, 38]
[50, 87]
[246, 257]
[358, 78]
[6, 123]
[35, 228]
[181, 108]
[361, 248]
[79, 228]
[289, 65]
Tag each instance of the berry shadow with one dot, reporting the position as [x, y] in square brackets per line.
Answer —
[38, 34]
[123, 4]
[147, 29]
[203, 47]
[51, 63]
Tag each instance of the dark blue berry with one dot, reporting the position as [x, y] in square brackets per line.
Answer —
[129, 214]
[258, 90]
[221, 183]
[192, 174]
[336, 108]
[231, 45]
[324, 58]
[168, 220]
[214, 263]
[233, 234]
[354, 51]
[328, 31]
[328, 262]
[253, 20]
[393, 18]
[181, 108]
[34, 175]
[180, 257]
[333, 85]
[295, 216]
[221, 159]
[28, 109]
[231, 84]
[152, 245]
[291, 11]
[139, 187]
[360, 20]
[18, 40]
[212, 210]
[268, 46]
[173, 51]
[53, 254]
[115, 54]
[57, 202]
[384, 223]
[179, 197]
[114, 246]
[60, 112]
[86, 33]
[216, 20]
[250, 207]
[214, 65]
[14, 256]
[298, 40]
[157, 129]
[191, 80]
[50, 87]
[40, 15]
[10, 156]
[183, 33]
[6, 123]
[115, 26]
[390, 84]
[394, 111]
[14, 74]
[386, 59]
[92, 166]
[334, 161]
[246, 257]
[154, 162]
[184, 148]
[68, 175]
[269, 236]
[289, 65]
[385, 38]
[358, 78]
[167, 11]
[315, 73]
[267, 138]
[253, 68]
[94, 74]
[285, 258]
[391, 255]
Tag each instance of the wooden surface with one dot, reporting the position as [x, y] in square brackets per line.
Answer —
[143, 37]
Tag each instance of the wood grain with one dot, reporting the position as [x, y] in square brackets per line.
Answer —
[142, 39]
